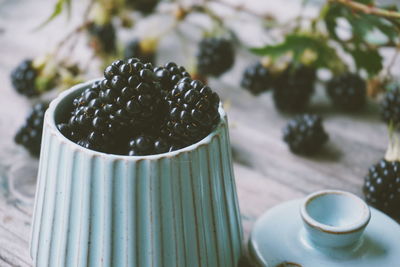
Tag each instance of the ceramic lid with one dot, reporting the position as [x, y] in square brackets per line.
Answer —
[328, 228]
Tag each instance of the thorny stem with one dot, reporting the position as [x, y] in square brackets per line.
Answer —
[77, 30]
[242, 8]
[367, 9]
[392, 62]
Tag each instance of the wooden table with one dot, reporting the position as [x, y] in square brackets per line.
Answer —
[266, 172]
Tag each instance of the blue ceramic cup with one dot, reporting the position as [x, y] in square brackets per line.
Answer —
[176, 209]
[334, 218]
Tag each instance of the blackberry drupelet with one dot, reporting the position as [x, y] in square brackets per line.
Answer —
[256, 78]
[103, 37]
[347, 91]
[142, 145]
[134, 49]
[192, 112]
[144, 6]
[305, 134]
[23, 78]
[382, 187]
[170, 75]
[30, 134]
[390, 106]
[293, 88]
[215, 56]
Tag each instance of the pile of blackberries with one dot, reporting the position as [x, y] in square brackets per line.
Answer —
[138, 109]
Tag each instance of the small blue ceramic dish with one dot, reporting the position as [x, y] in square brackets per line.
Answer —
[175, 209]
[332, 229]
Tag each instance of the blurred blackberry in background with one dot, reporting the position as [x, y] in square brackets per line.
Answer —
[347, 91]
[293, 88]
[382, 187]
[305, 134]
[215, 56]
[134, 49]
[390, 106]
[192, 112]
[169, 75]
[144, 6]
[103, 38]
[23, 78]
[256, 78]
[30, 134]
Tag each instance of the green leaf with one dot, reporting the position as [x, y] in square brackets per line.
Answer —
[363, 25]
[368, 59]
[302, 45]
[58, 8]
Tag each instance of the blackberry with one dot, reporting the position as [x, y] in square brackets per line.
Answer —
[147, 145]
[293, 88]
[192, 112]
[134, 50]
[256, 78]
[23, 78]
[382, 187]
[170, 75]
[305, 134]
[390, 106]
[215, 56]
[347, 91]
[89, 124]
[30, 134]
[127, 101]
[143, 6]
[132, 94]
[103, 37]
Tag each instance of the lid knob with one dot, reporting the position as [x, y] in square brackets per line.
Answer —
[334, 218]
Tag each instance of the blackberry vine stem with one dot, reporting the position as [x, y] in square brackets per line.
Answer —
[367, 9]
[86, 22]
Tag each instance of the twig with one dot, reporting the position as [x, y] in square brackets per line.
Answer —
[242, 8]
[77, 30]
[389, 14]
[392, 62]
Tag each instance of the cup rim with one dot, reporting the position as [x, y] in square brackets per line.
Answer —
[51, 123]
[355, 226]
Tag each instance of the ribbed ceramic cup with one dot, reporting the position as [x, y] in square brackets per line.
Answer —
[177, 209]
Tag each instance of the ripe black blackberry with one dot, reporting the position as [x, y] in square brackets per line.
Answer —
[192, 112]
[347, 91]
[215, 56]
[103, 37]
[256, 78]
[293, 88]
[170, 75]
[142, 145]
[305, 134]
[134, 49]
[132, 93]
[127, 101]
[23, 78]
[89, 124]
[382, 187]
[144, 6]
[390, 106]
[30, 134]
